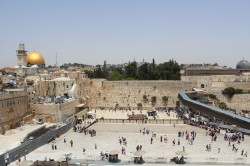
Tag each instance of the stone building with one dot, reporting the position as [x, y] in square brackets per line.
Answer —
[14, 106]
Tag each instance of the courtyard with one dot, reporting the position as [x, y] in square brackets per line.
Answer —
[107, 139]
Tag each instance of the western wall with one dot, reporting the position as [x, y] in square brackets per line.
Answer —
[129, 93]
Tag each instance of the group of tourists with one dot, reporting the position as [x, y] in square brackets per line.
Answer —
[236, 137]
[139, 147]
[232, 139]
[123, 141]
[144, 131]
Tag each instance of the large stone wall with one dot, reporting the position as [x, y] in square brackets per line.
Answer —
[130, 93]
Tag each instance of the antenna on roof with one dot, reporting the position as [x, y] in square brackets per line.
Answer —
[56, 59]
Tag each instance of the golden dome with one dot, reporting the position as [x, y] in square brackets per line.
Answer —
[35, 58]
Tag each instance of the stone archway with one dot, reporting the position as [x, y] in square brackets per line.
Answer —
[202, 86]
[48, 119]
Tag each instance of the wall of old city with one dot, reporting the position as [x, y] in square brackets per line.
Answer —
[130, 93]
[56, 87]
[54, 112]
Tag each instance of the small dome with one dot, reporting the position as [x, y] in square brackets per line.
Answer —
[243, 64]
[240, 80]
[35, 58]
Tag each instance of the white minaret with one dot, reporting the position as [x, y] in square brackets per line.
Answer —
[21, 55]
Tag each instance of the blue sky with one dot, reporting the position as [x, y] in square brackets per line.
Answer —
[89, 32]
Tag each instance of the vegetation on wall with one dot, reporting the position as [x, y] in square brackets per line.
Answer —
[222, 105]
[153, 100]
[139, 105]
[212, 96]
[165, 99]
[231, 91]
[145, 98]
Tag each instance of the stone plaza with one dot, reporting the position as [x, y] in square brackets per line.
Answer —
[107, 139]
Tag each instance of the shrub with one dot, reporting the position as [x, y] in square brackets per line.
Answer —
[222, 105]
[153, 100]
[238, 91]
[212, 96]
[229, 91]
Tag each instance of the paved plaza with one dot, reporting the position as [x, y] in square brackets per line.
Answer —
[107, 136]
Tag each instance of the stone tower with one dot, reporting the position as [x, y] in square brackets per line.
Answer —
[21, 55]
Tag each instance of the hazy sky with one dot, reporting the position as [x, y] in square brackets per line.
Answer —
[89, 32]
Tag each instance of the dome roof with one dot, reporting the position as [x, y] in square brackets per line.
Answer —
[35, 58]
[240, 80]
[243, 64]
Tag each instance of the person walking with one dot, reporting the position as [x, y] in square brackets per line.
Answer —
[64, 139]
[55, 146]
[151, 140]
[95, 146]
[52, 145]
[71, 143]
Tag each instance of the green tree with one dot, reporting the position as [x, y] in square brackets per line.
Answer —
[143, 72]
[131, 70]
[114, 75]
[105, 70]
[98, 72]
[89, 73]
